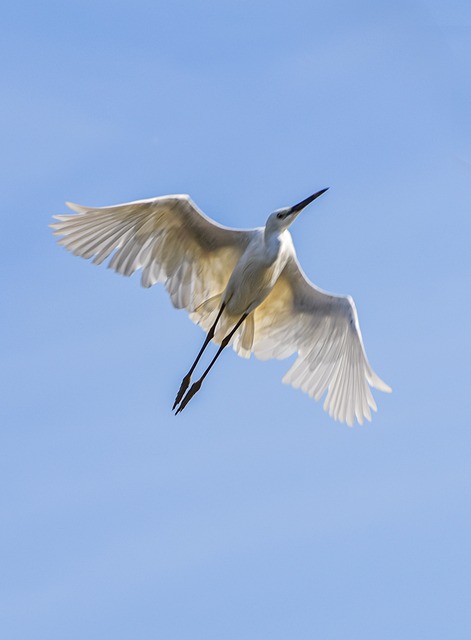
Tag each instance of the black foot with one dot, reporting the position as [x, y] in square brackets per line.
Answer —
[194, 388]
[183, 387]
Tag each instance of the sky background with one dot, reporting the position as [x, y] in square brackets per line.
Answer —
[252, 515]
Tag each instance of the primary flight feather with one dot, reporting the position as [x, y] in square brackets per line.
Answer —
[243, 287]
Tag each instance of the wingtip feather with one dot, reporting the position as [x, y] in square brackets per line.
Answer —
[379, 384]
[76, 207]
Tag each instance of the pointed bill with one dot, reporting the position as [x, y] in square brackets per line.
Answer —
[301, 205]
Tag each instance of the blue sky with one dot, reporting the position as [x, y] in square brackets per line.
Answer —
[251, 515]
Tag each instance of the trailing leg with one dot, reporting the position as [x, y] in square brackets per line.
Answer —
[187, 379]
[197, 385]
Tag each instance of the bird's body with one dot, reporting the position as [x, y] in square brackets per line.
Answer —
[257, 271]
[242, 286]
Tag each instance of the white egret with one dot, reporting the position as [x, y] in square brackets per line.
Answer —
[240, 286]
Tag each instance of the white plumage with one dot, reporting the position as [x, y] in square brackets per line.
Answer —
[251, 272]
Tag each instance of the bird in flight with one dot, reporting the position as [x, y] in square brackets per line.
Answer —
[243, 287]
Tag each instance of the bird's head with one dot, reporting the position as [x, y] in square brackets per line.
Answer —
[281, 219]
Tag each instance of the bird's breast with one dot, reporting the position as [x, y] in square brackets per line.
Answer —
[251, 281]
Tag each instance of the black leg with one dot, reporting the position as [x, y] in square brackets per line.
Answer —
[187, 379]
[196, 385]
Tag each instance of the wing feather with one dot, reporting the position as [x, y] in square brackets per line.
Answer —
[168, 238]
[323, 329]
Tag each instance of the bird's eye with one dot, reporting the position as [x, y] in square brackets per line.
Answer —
[279, 216]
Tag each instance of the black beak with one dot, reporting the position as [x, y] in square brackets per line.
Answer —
[298, 207]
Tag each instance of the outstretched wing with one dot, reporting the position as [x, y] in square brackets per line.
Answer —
[169, 238]
[323, 330]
